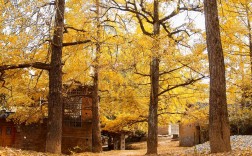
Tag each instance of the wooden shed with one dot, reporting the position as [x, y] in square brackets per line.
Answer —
[76, 130]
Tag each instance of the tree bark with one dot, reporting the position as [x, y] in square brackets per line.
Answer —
[54, 134]
[250, 53]
[152, 141]
[250, 41]
[219, 131]
[96, 130]
[37, 65]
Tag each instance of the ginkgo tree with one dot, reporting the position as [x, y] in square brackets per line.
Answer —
[19, 49]
[219, 131]
[236, 37]
[150, 20]
[237, 48]
[126, 96]
[53, 142]
[107, 49]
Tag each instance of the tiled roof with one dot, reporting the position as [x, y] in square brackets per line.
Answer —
[4, 114]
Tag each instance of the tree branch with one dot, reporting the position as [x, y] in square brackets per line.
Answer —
[188, 82]
[142, 74]
[131, 7]
[176, 11]
[37, 65]
[75, 43]
[172, 70]
[186, 65]
[175, 113]
[72, 28]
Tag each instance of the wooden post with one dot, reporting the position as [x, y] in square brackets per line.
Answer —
[122, 142]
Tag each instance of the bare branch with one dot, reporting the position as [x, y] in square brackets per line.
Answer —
[72, 28]
[192, 69]
[172, 70]
[174, 13]
[131, 7]
[188, 82]
[142, 74]
[174, 113]
[75, 43]
[37, 65]
[177, 10]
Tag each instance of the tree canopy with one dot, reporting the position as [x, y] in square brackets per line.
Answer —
[137, 53]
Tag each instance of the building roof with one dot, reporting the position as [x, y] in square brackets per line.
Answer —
[4, 114]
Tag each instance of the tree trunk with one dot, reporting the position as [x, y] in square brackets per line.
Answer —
[54, 134]
[250, 41]
[250, 54]
[152, 140]
[96, 130]
[219, 131]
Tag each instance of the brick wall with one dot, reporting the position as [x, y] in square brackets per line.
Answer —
[31, 137]
[77, 139]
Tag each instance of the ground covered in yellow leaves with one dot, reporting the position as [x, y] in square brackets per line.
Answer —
[166, 147]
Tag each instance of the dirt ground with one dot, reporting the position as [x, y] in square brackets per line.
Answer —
[165, 147]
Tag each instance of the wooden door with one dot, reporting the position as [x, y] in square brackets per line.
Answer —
[1, 136]
[7, 135]
[86, 109]
[197, 136]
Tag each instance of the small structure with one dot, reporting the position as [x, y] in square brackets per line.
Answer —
[116, 140]
[76, 126]
[163, 130]
[173, 130]
[77, 121]
[191, 134]
[169, 130]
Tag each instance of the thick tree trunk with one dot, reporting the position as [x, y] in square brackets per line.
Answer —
[250, 42]
[96, 130]
[250, 53]
[54, 134]
[152, 140]
[219, 131]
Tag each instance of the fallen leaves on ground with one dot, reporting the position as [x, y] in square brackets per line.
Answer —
[166, 147]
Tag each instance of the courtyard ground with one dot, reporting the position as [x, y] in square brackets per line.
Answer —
[166, 147]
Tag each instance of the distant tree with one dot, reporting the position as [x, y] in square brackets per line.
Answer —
[237, 44]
